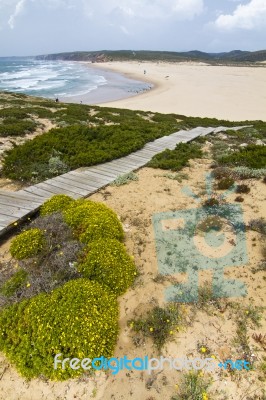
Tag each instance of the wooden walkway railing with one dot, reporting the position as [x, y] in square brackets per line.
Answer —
[16, 207]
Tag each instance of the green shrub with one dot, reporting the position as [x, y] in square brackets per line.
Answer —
[206, 298]
[58, 202]
[252, 156]
[176, 159]
[258, 225]
[211, 222]
[14, 283]
[225, 183]
[15, 128]
[242, 189]
[78, 211]
[221, 172]
[193, 387]
[78, 320]
[124, 179]
[211, 202]
[107, 262]
[57, 166]
[27, 244]
[177, 177]
[247, 173]
[13, 112]
[159, 324]
[101, 224]
[92, 220]
[41, 112]
[239, 199]
[82, 145]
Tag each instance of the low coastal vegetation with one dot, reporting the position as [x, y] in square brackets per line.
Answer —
[62, 294]
[159, 324]
[237, 155]
[178, 158]
[86, 135]
[82, 135]
[193, 386]
[124, 179]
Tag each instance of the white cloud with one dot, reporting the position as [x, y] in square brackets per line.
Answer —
[67, 4]
[138, 9]
[188, 8]
[247, 16]
[18, 10]
[148, 9]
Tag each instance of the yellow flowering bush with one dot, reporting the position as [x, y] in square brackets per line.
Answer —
[56, 203]
[27, 244]
[92, 221]
[79, 214]
[102, 224]
[107, 261]
[193, 386]
[159, 323]
[78, 320]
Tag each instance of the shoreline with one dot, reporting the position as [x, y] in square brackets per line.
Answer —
[117, 87]
[195, 89]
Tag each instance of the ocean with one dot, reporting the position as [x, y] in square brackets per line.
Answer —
[67, 81]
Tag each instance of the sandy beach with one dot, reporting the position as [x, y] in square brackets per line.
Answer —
[216, 329]
[196, 89]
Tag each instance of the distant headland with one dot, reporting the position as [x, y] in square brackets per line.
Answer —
[235, 56]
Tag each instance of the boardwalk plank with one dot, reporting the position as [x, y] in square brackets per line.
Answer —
[60, 185]
[123, 163]
[4, 220]
[84, 180]
[74, 184]
[92, 177]
[39, 194]
[108, 167]
[56, 190]
[11, 211]
[39, 191]
[5, 200]
[15, 206]
[138, 157]
[26, 197]
[140, 162]
[146, 153]
[103, 173]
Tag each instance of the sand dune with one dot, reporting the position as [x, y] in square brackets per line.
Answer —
[197, 89]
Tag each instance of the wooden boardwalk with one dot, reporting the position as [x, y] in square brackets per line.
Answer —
[17, 206]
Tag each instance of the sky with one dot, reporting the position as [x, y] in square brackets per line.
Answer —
[34, 27]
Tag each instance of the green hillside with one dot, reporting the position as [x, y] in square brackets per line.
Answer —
[236, 56]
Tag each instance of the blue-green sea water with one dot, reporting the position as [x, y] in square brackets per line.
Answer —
[71, 81]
